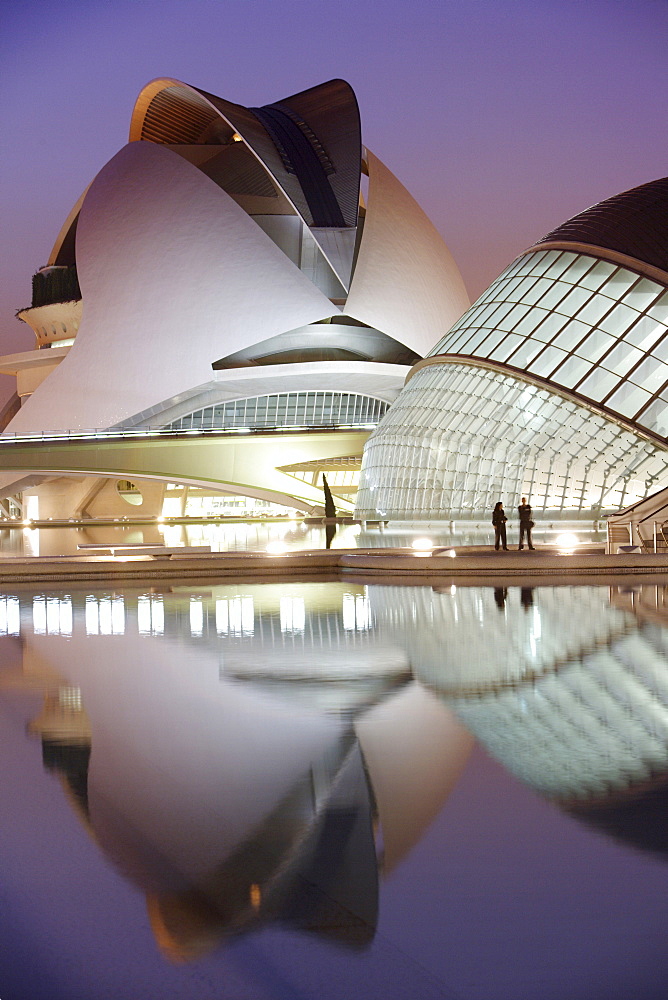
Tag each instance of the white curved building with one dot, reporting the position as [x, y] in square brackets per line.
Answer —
[554, 384]
[233, 273]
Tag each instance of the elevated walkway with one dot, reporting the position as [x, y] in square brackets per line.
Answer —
[235, 461]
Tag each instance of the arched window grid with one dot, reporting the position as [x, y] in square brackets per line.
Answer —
[425, 462]
[585, 324]
[287, 409]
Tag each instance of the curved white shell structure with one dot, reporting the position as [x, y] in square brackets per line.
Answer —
[173, 275]
[225, 237]
[222, 272]
[406, 281]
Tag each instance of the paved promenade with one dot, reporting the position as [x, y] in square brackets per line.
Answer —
[475, 565]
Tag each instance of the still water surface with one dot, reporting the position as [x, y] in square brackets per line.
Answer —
[328, 790]
[242, 536]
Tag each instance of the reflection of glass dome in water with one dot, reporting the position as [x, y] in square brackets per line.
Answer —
[590, 724]
[474, 639]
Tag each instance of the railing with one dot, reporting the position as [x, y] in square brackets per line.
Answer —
[106, 434]
[624, 536]
[659, 539]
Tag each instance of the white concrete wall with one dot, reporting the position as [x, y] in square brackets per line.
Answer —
[174, 275]
[406, 282]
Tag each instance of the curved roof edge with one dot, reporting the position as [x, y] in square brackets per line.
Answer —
[632, 223]
[589, 249]
[65, 229]
[522, 376]
[339, 183]
[406, 282]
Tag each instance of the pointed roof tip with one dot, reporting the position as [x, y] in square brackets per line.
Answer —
[633, 223]
[335, 82]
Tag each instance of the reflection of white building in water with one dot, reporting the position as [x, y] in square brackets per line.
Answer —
[554, 384]
[231, 797]
[230, 269]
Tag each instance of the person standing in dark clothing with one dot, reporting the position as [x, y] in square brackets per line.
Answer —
[526, 523]
[499, 521]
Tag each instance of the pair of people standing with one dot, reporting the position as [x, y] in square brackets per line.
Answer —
[499, 521]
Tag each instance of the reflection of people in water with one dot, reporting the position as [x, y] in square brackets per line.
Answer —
[526, 597]
[500, 594]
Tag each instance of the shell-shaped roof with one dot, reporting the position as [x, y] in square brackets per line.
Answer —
[173, 275]
[230, 227]
[634, 223]
[310, 142]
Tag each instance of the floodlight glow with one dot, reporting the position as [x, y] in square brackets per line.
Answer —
[422, 543]
[276, 548]
[567, 540]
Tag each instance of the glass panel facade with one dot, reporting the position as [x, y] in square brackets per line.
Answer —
[461, 437]
[580, 323]
[293, 409]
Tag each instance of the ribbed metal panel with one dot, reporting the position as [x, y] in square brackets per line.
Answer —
[237, 171]
[323, 123]
[302, 154]
[634, 223]
[331, 113]
[176, 115]
[257, 137]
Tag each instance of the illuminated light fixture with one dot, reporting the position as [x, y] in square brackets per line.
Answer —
[236, 137]
[421, 544]
[27, 522]
[567, 540]
[160, 520]
[451, 553]
[276, 548]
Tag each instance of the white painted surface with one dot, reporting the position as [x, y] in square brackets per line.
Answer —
[175, 750]
[415, 749]
[406, 282]
[174, 275]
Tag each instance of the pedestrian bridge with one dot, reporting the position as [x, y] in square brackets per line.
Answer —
[243, 461]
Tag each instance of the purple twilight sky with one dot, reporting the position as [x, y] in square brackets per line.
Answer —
[502, 118]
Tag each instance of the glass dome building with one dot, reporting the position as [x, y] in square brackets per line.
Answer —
[553, 385]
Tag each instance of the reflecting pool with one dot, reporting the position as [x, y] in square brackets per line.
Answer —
[332, 790]
[257, 536]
